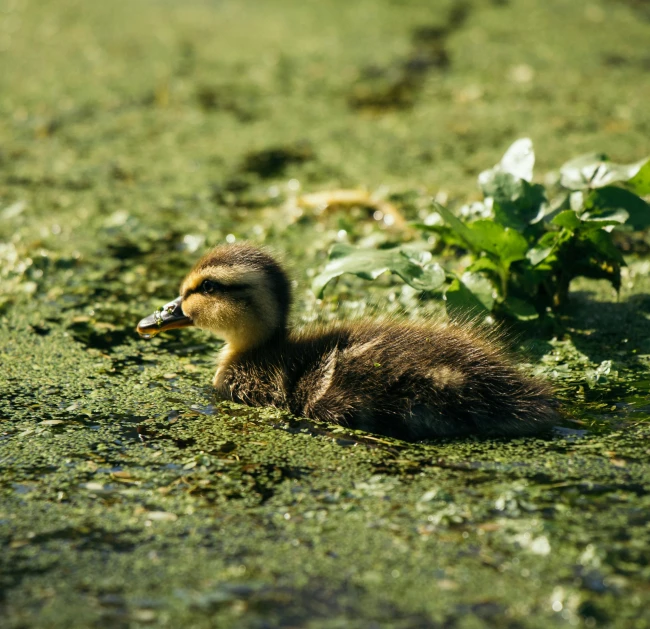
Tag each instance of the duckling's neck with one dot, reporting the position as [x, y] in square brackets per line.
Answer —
[240, 346]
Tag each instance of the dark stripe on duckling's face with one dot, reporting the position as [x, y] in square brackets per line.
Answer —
[214, 287]
[233, 261]
[238, 293]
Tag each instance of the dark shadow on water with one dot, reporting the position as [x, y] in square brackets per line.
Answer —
[610, 330]
[86, 538]
[318, 600]
[399, 85]
[106, 340]
[618, 332]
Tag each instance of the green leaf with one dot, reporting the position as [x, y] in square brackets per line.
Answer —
[640, 182]
[456, 224]
[500, 186]
[419, 271]
[567, 219]
[522, 210]
[548, 211]
[538, 254]
[545, 246]
[578, 173]
[607, 203]
[516, 202]
[519, 159]
[594, 170]
[484, 264]
[518, 162]
[520, 309]
[586, 222]
[481, 287]
[414, 267]
[599, 376]
[614, 217]
[459, 298]
[506, 244]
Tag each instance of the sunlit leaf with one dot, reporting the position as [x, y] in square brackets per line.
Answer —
[614, 216]
[499, 185]
[414, 267]
[640, 182]
[514, 201]
[567, 219]
[538, 254]
[504, 243]
[599, 376]
[607, 202]
[548, 211]
[545, 246]
[484, 264]
[586, 221]
[594, 170]
[578, 173]
[518, 161]
[459, 298]
[481, 287]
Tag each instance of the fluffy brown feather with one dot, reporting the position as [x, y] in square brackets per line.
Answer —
[400, 379]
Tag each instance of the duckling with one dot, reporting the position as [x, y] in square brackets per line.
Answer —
[408, 380]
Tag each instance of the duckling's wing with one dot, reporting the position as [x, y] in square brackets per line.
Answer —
[420, 381]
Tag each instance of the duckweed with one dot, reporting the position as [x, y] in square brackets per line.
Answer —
[130, 496]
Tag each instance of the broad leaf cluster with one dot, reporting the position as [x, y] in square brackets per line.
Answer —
[527, 242]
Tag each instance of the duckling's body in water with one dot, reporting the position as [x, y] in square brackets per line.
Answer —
[414, 381]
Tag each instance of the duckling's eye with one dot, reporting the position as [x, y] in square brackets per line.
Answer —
[208, 287]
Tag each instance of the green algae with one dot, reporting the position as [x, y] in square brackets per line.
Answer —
[130, 495]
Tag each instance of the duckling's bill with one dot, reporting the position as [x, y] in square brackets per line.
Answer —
[168, 317]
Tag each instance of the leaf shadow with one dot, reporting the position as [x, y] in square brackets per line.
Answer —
[618, 331]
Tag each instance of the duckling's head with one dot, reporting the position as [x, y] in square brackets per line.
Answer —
[238, 292]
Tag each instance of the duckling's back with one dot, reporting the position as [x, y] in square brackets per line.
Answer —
[406, 380]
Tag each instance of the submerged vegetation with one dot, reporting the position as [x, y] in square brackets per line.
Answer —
[135, 135]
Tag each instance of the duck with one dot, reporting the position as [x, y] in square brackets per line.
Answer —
[409, 380]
